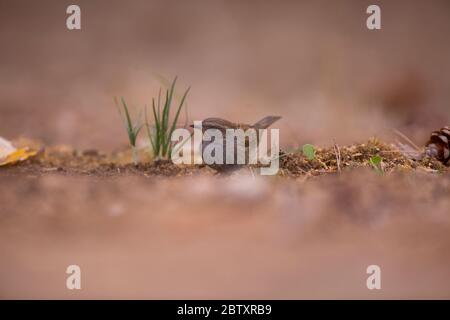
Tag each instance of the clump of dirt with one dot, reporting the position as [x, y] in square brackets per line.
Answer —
[65, 160]
[161, 168]
[336, 158]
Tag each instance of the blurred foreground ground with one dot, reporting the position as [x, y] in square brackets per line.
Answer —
[226, 237]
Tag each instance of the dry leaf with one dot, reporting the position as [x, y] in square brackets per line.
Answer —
[10, 155]
[6, 148]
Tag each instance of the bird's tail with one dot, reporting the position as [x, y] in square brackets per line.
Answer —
[266, 122]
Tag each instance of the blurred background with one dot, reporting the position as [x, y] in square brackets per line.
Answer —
[312, 62]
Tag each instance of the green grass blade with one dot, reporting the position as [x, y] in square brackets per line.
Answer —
[147, 128]
[167, 134]
[171, 91]
[165, 112]
[129, 124]
[159, 103]
[127, 114]
[169, 97]
[158, 129]
[136, 132]
[164, 123]
[138, 124]
[122, 118]
[174, 123]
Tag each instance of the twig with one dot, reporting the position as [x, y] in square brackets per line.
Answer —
[337, 152]
[406, 139]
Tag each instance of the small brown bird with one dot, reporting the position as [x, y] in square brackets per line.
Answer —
[222, 125]
[438, 146]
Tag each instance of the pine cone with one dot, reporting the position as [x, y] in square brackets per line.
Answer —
[439, 145]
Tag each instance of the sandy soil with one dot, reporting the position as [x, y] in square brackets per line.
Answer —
[204, 236]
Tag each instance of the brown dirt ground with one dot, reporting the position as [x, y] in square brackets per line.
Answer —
[65, 160]
[160, 231]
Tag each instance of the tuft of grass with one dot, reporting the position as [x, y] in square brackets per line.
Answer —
[309, 152]
[375, 162]
[132, 127]
[160, 133]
